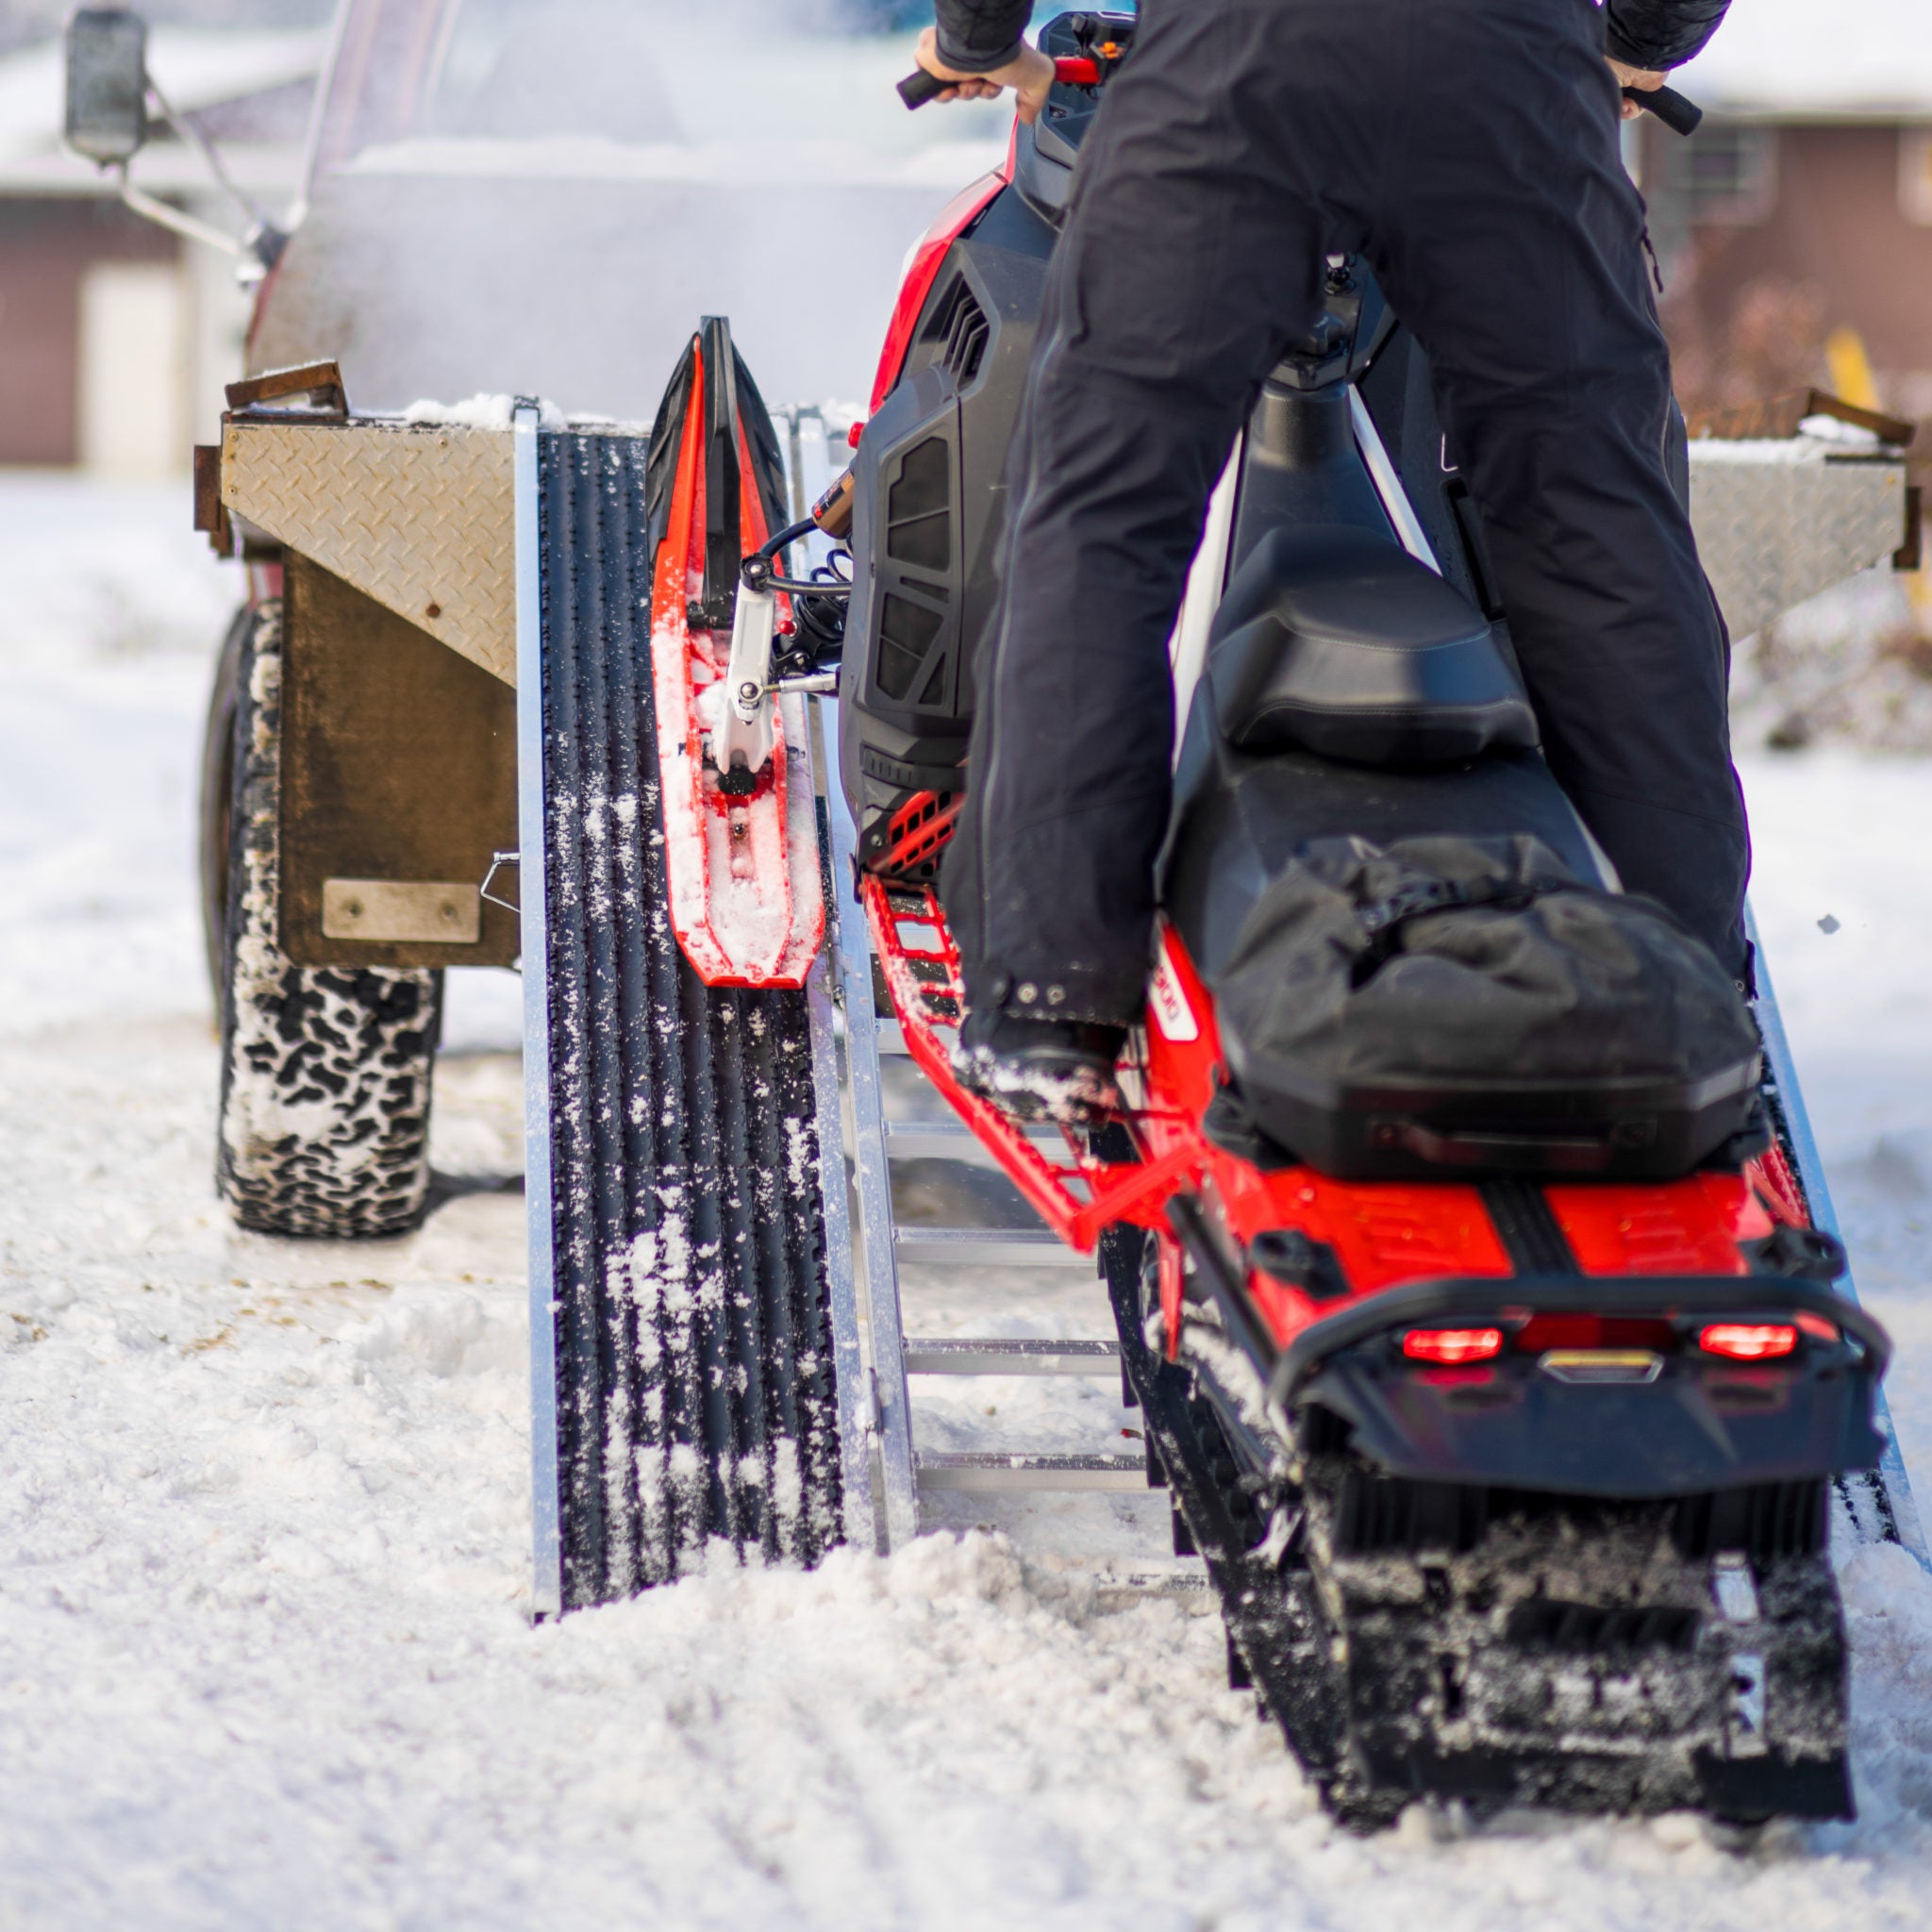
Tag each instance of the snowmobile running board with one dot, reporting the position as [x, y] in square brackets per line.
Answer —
[1879, 1502]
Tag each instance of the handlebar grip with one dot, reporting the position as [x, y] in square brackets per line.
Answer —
[920, 87]
[1679, 112]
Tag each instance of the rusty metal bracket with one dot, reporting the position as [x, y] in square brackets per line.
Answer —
[1779, 417]
[210, 514]
[320, 383]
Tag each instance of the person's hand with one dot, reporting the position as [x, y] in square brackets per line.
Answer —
[1029, 75]
[1645, 79]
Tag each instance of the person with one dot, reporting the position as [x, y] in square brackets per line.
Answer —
[1468, 150]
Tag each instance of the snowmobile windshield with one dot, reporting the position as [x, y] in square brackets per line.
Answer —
[574, 86]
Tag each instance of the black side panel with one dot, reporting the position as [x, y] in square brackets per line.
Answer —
[1401, 403]
[929, 512]
[694, 1373]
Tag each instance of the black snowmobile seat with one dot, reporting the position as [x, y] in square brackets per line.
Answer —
[1475, 998]
[1332, 640]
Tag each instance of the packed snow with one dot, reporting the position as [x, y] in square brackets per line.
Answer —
[264, 1655]
[480, 412]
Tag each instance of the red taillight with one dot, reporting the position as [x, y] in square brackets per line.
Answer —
[1452, 1345]
[1748, 1341]
[1542, 1333]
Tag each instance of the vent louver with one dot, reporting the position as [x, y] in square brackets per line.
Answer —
[961, 325]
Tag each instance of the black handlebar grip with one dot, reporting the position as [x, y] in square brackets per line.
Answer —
[1679, 112]
[920, 87]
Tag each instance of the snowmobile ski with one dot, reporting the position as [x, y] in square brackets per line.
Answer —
[740, 836]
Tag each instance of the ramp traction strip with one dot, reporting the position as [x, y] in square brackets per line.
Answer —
[694, 1392]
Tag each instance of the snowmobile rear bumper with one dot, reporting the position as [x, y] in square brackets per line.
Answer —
[1666, 1417]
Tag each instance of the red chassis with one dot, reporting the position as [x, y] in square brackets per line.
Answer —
[1384, 1234]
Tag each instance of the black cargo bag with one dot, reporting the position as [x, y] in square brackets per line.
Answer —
[1464, 1002]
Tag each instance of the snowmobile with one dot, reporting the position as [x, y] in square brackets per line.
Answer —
[1499, 1378]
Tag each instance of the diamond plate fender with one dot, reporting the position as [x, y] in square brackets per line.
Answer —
[1779, 522]
[421, 518]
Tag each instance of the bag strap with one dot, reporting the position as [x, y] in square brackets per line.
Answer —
[1382, 922]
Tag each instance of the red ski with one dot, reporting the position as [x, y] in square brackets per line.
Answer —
[740, 833]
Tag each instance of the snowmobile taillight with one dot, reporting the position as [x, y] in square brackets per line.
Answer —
[1452, 1347]
[1542, 1333]
[1749, 1342]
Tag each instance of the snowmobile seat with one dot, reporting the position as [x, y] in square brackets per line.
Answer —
[1332, 640]
[1356, 715]
[1240, 818]
[1331, 646]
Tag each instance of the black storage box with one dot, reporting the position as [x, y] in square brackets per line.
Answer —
[1467, 1004]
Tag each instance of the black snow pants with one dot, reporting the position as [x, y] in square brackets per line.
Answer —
[1468, 149]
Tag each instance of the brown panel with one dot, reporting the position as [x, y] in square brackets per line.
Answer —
[398, 762]
[1836, 232]
[45, 248]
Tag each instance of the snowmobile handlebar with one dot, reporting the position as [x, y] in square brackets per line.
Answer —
[1679, 112]
[920, 87]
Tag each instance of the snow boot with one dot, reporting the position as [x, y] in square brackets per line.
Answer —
[1059, 1069]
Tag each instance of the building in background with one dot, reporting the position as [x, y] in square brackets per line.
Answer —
[1794, 229]
[115, 335]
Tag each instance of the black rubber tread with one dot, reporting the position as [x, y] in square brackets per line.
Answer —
[695, 1393]
[1274, 1618]
[325, 1070]
[217, 815]
[1364, 1656]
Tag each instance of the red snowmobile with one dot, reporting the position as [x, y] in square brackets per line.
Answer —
[1504, 1397]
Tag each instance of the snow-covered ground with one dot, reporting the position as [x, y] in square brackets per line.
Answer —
[263, 1526]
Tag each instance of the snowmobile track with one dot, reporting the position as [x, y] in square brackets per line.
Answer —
[693, 1376]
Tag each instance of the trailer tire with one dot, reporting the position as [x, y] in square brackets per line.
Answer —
[325, 1070]
[217, 820]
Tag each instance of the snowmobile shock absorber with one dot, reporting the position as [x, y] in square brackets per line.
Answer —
[832, 513]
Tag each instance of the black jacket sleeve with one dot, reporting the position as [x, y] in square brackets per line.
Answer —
[1659, 33]
[976, 36]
